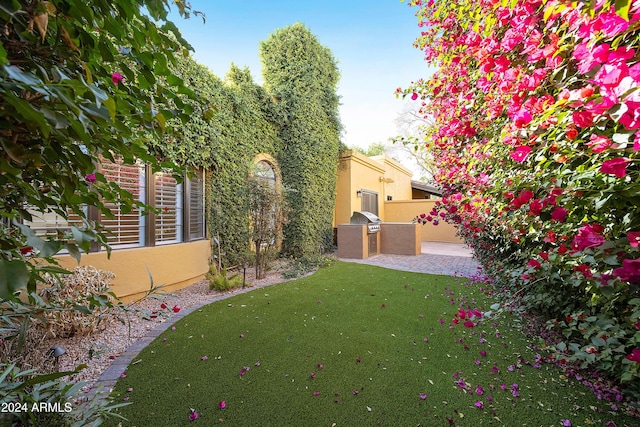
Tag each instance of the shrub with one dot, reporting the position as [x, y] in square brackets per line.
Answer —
[79, 289]
[300, 266]
[535, 114]
[220, 281]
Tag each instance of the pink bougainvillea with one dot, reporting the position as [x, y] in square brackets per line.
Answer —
[533, 115]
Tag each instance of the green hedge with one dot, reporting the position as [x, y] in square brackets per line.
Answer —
[294, 118]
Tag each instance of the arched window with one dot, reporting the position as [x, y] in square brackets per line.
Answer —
[264, 171]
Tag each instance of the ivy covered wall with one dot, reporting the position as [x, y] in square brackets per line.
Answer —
[294, 118]
[303, 75]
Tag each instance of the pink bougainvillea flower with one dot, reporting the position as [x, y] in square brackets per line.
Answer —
[479, 404]
[176, 309]
[123, 375]
[584, 269]
[566, 423]
[355, 392]
[163, 306]
[469, 324]
[204, 358]
[193, 415]
[589, 236]
[117, 78]
[611, 24]
[636, 142]
[521, 153]
[634, 238]
[320, 366]
[90, 177]
[630, 271]
[609, 75]
[522, 118]
[26, 250]
[589, 57]
[582, 119]
[598, 143]
[313, 374]
[559, 214]
[479, 390]
[414, 96]
[316, 393]
[534, 264]
[222, 404]
[616, 167]
[423, 396]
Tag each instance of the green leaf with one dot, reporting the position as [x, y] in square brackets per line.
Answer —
[110, 103]
[14, 275]
[3, 55]
[622, 8]
[73, 251]
[83, 238]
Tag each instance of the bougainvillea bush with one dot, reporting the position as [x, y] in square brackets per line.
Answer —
[536, 106]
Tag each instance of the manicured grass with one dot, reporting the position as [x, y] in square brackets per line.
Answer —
[354, 345]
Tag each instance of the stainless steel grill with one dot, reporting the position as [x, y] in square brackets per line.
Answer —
[371, 220]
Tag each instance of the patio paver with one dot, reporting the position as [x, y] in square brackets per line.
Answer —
[449, 259]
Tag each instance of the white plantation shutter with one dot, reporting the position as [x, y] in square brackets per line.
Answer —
[49, 224]
[168, 199]
[125, 229]
[196, 206]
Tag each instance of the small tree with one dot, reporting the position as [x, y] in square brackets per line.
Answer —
[267, 213]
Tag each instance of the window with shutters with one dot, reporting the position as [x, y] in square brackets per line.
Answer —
[168, 199]
[179, 217]
[370, 201]
[195, 205]
[125, 229]
[51, 224]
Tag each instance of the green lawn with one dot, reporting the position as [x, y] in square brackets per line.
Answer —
[354, 345]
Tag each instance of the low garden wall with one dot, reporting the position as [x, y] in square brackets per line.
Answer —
[406, 210]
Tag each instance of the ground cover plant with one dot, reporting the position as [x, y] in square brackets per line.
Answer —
[354, 344]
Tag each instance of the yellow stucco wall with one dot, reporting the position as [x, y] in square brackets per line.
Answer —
[397, 179]
[406, 210]
[176, 266]
[379, 174]
[356, 172]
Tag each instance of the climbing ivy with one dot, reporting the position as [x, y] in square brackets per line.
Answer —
[302, 76]
[224, 143]
[293, 118]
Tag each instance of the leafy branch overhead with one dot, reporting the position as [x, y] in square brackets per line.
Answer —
[79, 80]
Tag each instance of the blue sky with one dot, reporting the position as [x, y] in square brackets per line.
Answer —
[372, 42]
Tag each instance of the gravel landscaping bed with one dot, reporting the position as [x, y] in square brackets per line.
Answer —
[99, 349]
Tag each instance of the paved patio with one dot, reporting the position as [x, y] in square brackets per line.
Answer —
[449, 259]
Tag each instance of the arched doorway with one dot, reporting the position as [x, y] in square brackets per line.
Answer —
[266, 210]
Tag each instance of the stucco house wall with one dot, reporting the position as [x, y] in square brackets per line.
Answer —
[175, 266]
[390, 180]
